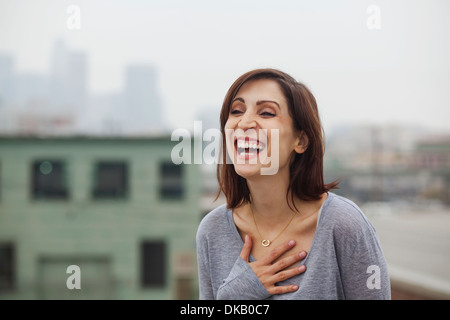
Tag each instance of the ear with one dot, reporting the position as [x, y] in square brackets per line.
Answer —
[301, 143]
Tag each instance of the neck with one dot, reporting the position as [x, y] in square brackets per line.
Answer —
[268, 194]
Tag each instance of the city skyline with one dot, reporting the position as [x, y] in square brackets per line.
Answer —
[396, 73]
[32, 85]
[32, 102]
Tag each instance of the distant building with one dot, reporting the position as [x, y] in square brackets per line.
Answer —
[433, 156]
[68, 78]
[143, 111]
[6, 80]
[388, 163]
[41, 104]
[60, 102]
[117, 208]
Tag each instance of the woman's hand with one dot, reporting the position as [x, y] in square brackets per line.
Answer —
[270, 273]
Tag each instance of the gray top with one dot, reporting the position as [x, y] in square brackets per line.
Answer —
[345, 260]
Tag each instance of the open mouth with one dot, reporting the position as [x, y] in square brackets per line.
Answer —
[246, 146]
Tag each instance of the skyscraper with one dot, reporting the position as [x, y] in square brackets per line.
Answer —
[142, 101]
[6, 79]
[68, 78]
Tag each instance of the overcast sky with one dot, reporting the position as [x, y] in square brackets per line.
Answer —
[399, 73]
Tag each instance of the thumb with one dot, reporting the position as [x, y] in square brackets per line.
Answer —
[246, 248]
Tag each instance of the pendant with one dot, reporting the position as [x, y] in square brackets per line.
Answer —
[265, 243]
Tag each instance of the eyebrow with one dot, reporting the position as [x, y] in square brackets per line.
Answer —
[257, 102]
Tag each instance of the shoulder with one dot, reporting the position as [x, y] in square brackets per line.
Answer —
[213, 223]
[346, 218]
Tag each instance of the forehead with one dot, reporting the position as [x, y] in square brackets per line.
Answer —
[261, 89]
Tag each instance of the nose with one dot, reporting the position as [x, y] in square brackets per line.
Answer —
[247, 121]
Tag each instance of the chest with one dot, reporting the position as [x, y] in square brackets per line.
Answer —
[301, 231]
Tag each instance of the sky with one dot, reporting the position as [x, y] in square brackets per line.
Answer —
[399, 73]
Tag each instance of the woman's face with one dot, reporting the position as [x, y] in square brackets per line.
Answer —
[260, 136]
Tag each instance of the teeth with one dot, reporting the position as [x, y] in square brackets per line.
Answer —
[246, 145]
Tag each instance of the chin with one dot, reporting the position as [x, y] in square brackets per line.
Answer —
[247, 171]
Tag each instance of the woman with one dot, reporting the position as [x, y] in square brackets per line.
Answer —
[282, 234]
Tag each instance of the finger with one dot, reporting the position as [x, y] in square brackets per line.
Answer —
[282, 289]
[277, 252]
[286, 274]
[288, 261]
[246, 248]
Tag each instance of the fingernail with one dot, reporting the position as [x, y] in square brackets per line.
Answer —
[246, 238]
[301, 268]
[302, 254]
[294, 287]
[291, 243]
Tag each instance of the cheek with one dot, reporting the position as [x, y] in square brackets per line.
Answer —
[230, 124]
[228, 130]
[282, 141]
[228, 134]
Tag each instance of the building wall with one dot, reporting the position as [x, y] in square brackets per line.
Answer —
[103, 237]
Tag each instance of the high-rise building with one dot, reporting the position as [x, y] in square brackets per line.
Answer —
[30, 88]
[68, 78]
[142, 101]
[6, 79]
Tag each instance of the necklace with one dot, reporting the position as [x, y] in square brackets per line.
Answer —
[267, 242]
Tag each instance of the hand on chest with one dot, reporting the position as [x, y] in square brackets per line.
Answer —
[300, 229]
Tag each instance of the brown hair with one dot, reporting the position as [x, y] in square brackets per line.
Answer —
[306, 169]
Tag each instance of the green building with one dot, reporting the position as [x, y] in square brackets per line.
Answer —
[116, 208]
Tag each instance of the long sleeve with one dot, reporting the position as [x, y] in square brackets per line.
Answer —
[204, 276]
[222, 274]
[242, 284]
[363, 269]
[345, 260]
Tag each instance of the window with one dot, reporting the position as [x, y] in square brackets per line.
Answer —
[153, 264]
[171, 181]
[111, 180]
[7, 276]
[49, 180]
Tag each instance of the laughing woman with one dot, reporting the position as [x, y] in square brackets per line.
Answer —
[282, 233]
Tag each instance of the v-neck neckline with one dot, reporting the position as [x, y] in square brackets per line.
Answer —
[320, 218]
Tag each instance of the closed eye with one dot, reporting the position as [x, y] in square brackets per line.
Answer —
[236, 112]
[268, 114]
